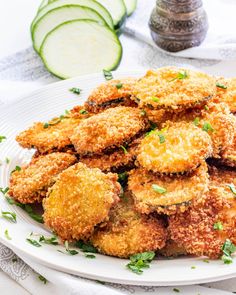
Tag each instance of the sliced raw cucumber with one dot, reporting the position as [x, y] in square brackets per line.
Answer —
[117, 10]
[58, 16]
[130, 6]
[80, 47]
[89, 3]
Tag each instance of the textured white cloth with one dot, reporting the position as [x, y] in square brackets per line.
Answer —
[23, 72]
[220, 42]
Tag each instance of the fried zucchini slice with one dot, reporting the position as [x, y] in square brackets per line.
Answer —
[172, 249]
[53, 135]
[205, 226]
[80, 199]
[166, 194]
[178, 148]
[30, 184]
[111, 94]
[118, 161]
[108, 130]
[129, 232]
[173, 89]
[226, 92]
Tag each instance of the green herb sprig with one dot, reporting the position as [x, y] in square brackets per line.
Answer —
[140, 261]
[228, 249]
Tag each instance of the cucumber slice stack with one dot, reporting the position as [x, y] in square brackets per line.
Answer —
[75, 37]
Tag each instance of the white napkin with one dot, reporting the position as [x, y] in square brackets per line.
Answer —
[220, 42]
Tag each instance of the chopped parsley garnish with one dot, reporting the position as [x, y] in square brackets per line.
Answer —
[33, 242]
[42, 279]
[206, 260]
[221, 86]
[218, 226]
[176, 290]
[196, 121]
[108, 75]
[75, 90]
[7, 160]
[32, 214]
[232, 188]
[10, 216]
[2, 137]
[6, 233]
[4, 190]
[123, 178]
[193, 267]
[49, 241]
[86, 247]
[155, 99]
[124, 149]
[17, 168]
[68, 251]
[67, 112]
[140, 261]
[161, 138]
[83, 112]
[45, 125]
[91, 256]
[119, 85]
[228, 249]
[180, 76]
[143, 113]
[158, 189]
[207, 127]
[206, 108]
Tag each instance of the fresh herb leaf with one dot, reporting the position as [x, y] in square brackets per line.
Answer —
[196, 121]
[155, 99]
[161, 138]
[207, 127]
[206, 260]
[228, 249]
[124, 149]
[83, 112]
[180, 76]
[76, 90]
[123, 178]
[108, 75]
[46, 125]
[10, 216]
[91, 256]
[218, 226]
[32, 214]
[140, 261]
[176, 290]
[50, 241]
[17, 168]
[33, 242]
[193, 267]
[206, 108]
[119, 85]
[7, 235]
[143, 113]
[68, 251]
[2, 137]
[219, 85]
[41, 278]
[7, 160]
[4, 190]
[86, 247]
[158, 189]
[232, 188]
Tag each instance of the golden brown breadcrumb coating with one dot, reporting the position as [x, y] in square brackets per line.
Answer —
[80, 199]
[228, 156]
[110, 94]
[129, 232]
[108, 130]
[117, 161]
[226, 92]
[172, 249]
[194, 229]
[53, 135]
[30, 184]
[179, 147]
[220, 176]
[166, 194]
[174, 89]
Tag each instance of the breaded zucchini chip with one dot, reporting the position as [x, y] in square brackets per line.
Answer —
[118, 161]
[129, 232]
[204, 228]
[172, 249]
[108, 130]
[174, 89]
[30, 184]
[166, 194]
[226, 92]
[80, 199]
[53, 135]
[179, 147]
[111, 94]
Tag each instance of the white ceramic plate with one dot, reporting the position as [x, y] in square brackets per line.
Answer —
[42, 105]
